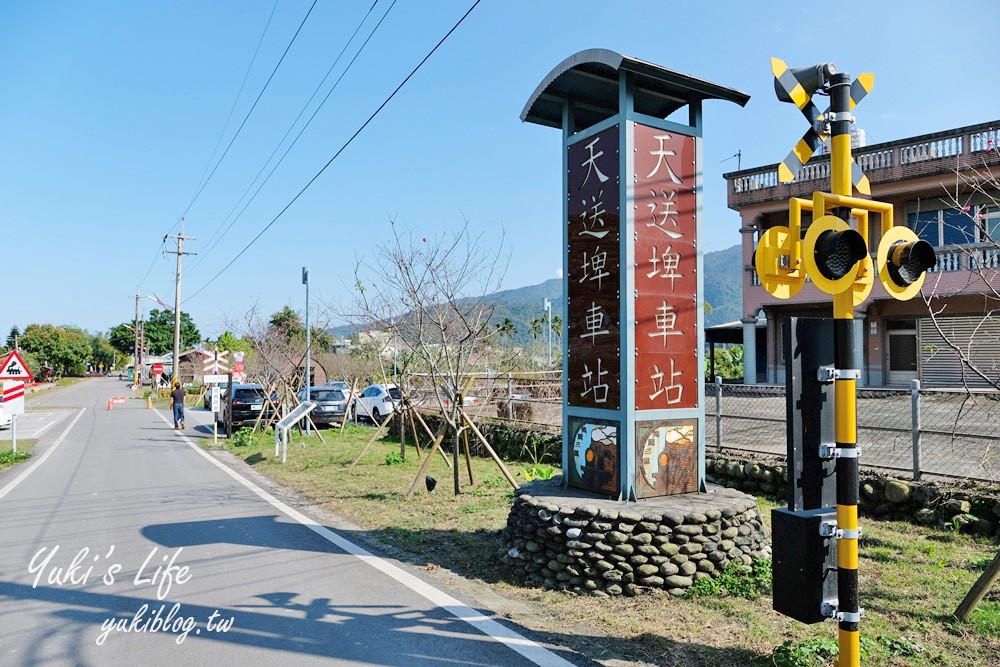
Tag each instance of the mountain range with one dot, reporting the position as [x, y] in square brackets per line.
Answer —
[723, 291]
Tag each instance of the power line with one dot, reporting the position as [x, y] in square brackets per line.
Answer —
[211, 245]
[150, 269]
[239, 94]
[252, 107]
[339, 151]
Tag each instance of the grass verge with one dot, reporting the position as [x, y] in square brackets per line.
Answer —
[911, 578]
[7, 456]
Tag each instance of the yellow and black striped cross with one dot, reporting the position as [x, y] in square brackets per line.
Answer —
[794, 92]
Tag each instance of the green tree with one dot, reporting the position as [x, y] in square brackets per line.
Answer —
[229, 341]
[159, 331]
[287, 326]
[103, 352]
[12, 337]
[64, 349]
[122, 338]
[506, 330]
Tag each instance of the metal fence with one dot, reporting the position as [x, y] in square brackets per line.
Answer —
[530, 397]
[917, 432]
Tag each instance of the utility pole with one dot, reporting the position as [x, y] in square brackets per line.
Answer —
[177, 297]
[308, 374]
[548, 309]
[135, 349]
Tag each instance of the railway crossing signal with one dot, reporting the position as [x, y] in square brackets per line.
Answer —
[816, 558]
[798, 86]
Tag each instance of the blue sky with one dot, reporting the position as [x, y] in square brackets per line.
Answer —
[111, 112]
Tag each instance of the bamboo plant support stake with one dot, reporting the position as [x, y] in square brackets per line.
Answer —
[468, 455]
[432, 435]
[424, 466]
[979, 590]
[493, 454]
[413, 427]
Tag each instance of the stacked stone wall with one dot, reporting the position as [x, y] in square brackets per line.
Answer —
[927, 503]
[603, 551]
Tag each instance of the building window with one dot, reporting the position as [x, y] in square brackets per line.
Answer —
[989, 220]
[943, 227]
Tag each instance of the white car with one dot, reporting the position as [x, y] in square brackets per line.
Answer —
[378, 401]
[4, 418]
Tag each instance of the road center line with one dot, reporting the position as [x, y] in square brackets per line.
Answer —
[20, 478]
[496, 631]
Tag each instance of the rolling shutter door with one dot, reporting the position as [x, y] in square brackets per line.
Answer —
[979, 340]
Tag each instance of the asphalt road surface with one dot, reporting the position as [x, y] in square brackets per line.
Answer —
[124, 543]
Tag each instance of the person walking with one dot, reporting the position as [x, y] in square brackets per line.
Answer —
[177, 403]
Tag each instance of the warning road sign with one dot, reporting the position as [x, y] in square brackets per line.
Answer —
[13, 397]
[14, 368]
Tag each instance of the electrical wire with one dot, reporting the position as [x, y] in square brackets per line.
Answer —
[232, 109]
[337, 154]
[209, 243]
[252, 107]
[153, 263]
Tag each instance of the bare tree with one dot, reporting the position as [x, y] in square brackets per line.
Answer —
[431, 296]
[974, 201]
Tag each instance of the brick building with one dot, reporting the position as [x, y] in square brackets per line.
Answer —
[927, 181]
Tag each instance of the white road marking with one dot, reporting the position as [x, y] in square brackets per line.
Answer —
[42, 430]
[30, 469]
[513, 640]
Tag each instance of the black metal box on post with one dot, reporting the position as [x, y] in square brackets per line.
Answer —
[808, 345]
[804, 563]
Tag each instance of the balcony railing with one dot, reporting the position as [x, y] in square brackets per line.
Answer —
[972, 146]
[947, 261]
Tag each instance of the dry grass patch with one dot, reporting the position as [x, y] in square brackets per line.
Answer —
[912, 578]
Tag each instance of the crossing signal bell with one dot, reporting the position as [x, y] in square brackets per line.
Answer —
[791, 84]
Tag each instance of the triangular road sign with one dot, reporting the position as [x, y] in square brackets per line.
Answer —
[14, 368]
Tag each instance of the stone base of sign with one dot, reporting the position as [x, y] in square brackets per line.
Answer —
[567, 539]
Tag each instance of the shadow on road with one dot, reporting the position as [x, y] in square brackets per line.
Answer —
[270, 531]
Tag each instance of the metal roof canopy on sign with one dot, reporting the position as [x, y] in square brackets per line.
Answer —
[589, 82]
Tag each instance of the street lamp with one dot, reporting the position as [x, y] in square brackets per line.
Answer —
[308, 380]
[548, 307]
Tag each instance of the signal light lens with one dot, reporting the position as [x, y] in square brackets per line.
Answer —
[838, 251]
[903, 260]
[833, 254]
[909, 261]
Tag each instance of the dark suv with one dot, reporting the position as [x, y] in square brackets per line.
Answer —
[248, 404]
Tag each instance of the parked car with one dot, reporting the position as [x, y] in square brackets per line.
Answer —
[378, 400]
[331, 405]
[248, 403]
[208, 393]
[342, 386]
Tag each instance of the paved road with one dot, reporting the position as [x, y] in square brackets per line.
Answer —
[124, 544]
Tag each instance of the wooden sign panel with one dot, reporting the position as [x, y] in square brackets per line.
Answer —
[594, 233]
[666, 295]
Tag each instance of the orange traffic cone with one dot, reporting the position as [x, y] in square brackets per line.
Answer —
[110, 404]
[149, 402]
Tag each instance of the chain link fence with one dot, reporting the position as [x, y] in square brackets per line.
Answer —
[919, 433]
[915, 432]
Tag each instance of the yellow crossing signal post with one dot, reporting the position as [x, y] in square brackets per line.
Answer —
[835, 256]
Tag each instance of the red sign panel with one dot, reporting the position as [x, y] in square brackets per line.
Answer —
[157, 369]
[666, 294]
[593, 326]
